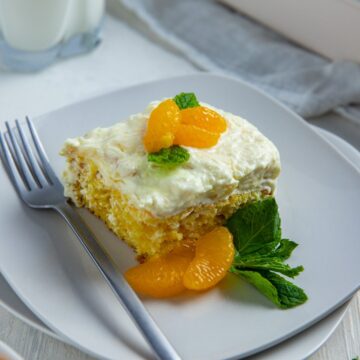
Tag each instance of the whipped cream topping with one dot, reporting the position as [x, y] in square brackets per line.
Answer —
[243, 160]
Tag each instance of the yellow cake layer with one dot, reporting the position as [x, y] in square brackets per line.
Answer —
[147, 234]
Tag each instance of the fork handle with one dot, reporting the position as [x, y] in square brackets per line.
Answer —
[145, 323]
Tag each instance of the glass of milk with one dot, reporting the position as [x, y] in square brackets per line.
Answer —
[35, 33]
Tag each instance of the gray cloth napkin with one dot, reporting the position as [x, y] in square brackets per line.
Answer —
[217, 38]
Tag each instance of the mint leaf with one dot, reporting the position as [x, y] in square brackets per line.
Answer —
[290, 295]
[263, 262]
[186, 100]
[285, 249]
[268, 248]
[255, 225]
[281, 292]
[282, 249]
[169, 157]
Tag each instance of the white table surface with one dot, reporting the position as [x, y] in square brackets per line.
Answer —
[124, 58]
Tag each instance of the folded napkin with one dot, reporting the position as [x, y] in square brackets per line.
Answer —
[215, 37]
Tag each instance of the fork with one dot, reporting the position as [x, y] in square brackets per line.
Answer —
[37, 185]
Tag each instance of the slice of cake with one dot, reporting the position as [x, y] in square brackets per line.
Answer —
[172, 172]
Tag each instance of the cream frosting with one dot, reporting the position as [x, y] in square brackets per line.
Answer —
[243, 160]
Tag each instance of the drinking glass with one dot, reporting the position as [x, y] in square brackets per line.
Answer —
[35, 33]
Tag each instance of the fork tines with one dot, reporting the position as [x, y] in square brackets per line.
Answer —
[25, 159]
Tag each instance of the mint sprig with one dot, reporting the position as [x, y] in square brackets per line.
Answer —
[260, 253]
[186, 100]
[169, 158]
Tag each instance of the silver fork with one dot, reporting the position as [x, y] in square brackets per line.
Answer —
[37, 185]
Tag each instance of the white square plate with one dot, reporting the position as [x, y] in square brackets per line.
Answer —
[319, 199]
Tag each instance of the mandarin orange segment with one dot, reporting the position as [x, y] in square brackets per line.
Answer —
[213, 258]
[204, 118]
[162, 126]
[190, 135]
[162, 276]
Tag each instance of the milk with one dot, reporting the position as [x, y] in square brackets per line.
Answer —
[37, 25]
